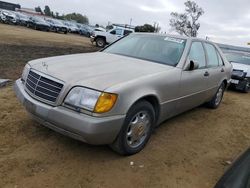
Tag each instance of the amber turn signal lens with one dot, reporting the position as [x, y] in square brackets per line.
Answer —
[105, 102]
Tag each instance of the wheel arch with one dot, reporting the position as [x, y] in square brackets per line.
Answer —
[154, 101]
[99, 36]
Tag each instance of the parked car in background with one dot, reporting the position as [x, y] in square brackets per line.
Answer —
[241, 69]
[2, 16]
[57, 26]
[102, 38]
[38, 23]
[83, 30]
[8, 17]
[119, 95]
[72, 27]
[22, 19]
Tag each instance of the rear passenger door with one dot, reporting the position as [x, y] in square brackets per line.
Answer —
[216, 70]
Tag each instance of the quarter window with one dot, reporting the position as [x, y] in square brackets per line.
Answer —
[127, 32]
[197, 54]
[211, 55]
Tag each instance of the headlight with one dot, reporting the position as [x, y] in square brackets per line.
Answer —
[25, 72]
[92, 100]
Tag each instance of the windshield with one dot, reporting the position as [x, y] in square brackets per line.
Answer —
[159, 49]
[238, 57]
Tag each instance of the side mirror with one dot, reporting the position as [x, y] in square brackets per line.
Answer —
[191, 65]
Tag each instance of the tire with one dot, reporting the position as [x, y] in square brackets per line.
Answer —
[100, 42]
[247, 87]
[138, 124]
[216, 100]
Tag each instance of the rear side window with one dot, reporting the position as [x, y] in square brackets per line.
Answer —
[220, 59]
[197, 54]
[211, 55]
[118, 32]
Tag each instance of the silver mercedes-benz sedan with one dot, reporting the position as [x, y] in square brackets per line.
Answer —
[119, 95]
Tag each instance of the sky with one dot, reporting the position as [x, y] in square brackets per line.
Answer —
[224, 21]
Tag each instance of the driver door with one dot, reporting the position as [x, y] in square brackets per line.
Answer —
[114, 35]
[193, 88]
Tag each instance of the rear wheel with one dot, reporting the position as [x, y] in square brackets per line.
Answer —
[247, 87]
[216, 100]
[136, 130]
[100, 42]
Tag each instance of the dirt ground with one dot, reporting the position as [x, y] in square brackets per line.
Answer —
[188, 151]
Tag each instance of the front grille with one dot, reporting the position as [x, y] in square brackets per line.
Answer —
[42, 87]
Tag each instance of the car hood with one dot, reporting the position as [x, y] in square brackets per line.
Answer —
[243, 67]
[97, 70]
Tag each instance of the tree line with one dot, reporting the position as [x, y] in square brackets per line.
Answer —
[183, 23]
[72, 16]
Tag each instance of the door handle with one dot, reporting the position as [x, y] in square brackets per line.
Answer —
[206, 73]
[222, 70]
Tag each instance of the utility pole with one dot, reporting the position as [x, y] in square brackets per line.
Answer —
[130, 22]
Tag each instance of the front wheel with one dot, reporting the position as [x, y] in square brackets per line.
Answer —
[136, 130]
[100, 42]
[216, 100]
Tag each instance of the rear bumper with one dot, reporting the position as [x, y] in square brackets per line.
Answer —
[89, 129]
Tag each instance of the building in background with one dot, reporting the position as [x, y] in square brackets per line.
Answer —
[234, 48]
[9, 6]
[28, 11]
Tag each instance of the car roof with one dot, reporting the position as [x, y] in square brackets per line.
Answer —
[175, 36]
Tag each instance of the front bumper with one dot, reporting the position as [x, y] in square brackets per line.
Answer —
[89, 129]
[92, 39]
[239, 84]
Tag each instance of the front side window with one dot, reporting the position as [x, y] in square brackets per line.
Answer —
[197, 54]
[155, 48]
[116, 32]
[211, 55]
